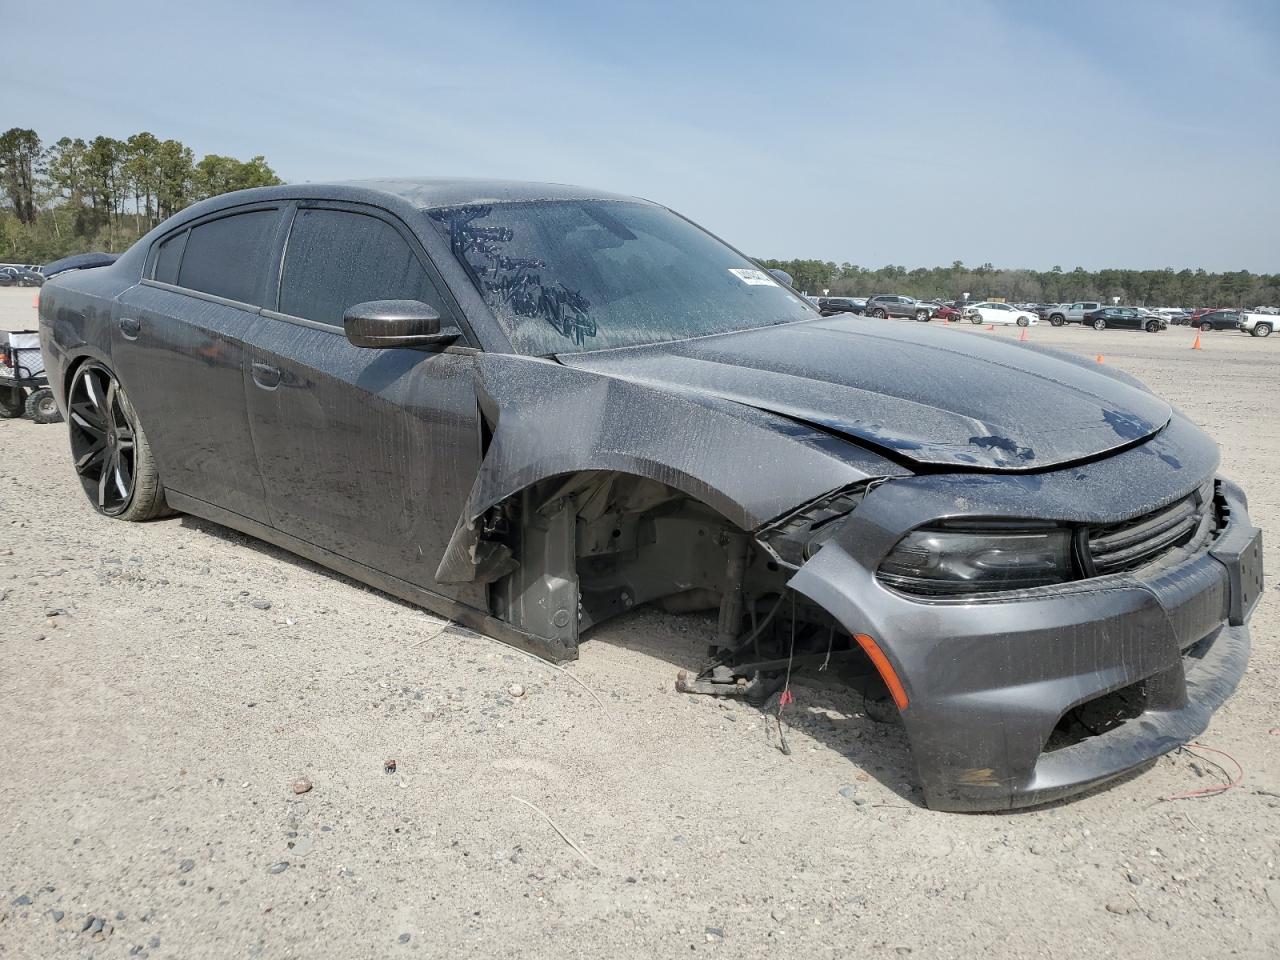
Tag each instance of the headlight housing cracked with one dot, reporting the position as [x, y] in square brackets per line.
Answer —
[979, 557]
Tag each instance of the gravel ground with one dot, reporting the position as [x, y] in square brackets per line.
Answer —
[164, 686]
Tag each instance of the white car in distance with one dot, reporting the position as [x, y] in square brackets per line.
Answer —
[989, 312]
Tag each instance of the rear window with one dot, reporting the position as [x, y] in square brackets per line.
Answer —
[225, 257]
[168, 256]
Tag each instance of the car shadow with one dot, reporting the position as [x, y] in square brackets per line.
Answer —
[281, 555]
[863, 728]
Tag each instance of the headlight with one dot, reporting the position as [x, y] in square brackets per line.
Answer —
[946, 562]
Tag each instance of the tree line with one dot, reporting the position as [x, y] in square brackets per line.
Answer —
[77, 195]
[1165, 288]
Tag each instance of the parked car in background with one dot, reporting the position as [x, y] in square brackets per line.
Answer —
[1258, 324]
[1072, 312]
[1132, 318]
[1194, 318]
[1006, 313]
[895, 305]
[20, 277]
[830, 306]
[1218, 320]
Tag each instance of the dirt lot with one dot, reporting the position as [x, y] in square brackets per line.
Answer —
[162, 686]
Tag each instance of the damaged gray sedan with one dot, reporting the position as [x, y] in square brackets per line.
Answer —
[532, 407]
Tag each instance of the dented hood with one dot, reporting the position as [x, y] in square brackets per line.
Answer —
[924, 393]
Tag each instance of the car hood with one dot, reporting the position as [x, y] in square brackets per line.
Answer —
[929, 395]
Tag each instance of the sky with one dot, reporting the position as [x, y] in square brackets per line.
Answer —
[1024, 134]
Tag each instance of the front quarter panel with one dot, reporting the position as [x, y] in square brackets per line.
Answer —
[548, 420]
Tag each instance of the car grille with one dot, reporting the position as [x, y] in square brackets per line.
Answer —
[1134, 543]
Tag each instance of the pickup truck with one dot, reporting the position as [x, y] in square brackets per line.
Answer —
[1072, 312]
[892, 305]
[1258, 324]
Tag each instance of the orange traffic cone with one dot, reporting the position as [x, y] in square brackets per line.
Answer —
[1196, 345]
[991, 326]
[1024, 338]
[1098, 358]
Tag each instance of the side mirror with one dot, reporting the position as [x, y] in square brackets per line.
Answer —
[394, 323]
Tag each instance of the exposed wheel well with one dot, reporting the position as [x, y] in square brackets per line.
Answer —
[568, 553]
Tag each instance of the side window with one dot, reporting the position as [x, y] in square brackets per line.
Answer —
[225, 257]
[168, 256]
[336, 259]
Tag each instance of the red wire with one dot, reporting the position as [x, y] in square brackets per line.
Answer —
[1216, 788]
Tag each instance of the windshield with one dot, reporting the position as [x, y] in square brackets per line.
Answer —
[566, 276]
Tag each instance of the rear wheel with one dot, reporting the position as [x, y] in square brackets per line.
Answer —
[1099, 324]
[110, 451]
[1262, 330]
[12, 401]
[42, 408]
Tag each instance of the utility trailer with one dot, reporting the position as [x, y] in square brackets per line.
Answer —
[24, 388]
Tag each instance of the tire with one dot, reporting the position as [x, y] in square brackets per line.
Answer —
[109, 448]
[1206, 327]
[12, 402]
[42, 408]
[1099, 324]
[1153, 327]
[1057, 319]
[880, 314]
[1024, 322]
[976, 319]
[922, 316]
[1262, 330]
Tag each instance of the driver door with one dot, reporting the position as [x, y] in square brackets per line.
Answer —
[368, 453]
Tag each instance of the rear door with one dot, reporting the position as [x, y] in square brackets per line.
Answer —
[368, 453]
[178, 348]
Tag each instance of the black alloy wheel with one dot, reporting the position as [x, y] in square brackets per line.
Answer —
[102, 438]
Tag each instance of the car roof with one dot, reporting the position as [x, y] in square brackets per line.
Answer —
[457, 191]
[423, 193]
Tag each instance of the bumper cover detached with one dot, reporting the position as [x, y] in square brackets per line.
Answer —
[989, 679]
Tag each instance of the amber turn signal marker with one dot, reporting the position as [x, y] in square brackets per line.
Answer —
[882, 664]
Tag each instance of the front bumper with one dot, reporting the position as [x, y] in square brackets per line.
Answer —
[989, 679]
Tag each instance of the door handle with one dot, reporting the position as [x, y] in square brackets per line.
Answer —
[266, 376]
[130, 328]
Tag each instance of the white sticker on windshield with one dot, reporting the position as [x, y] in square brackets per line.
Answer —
[754, 277]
